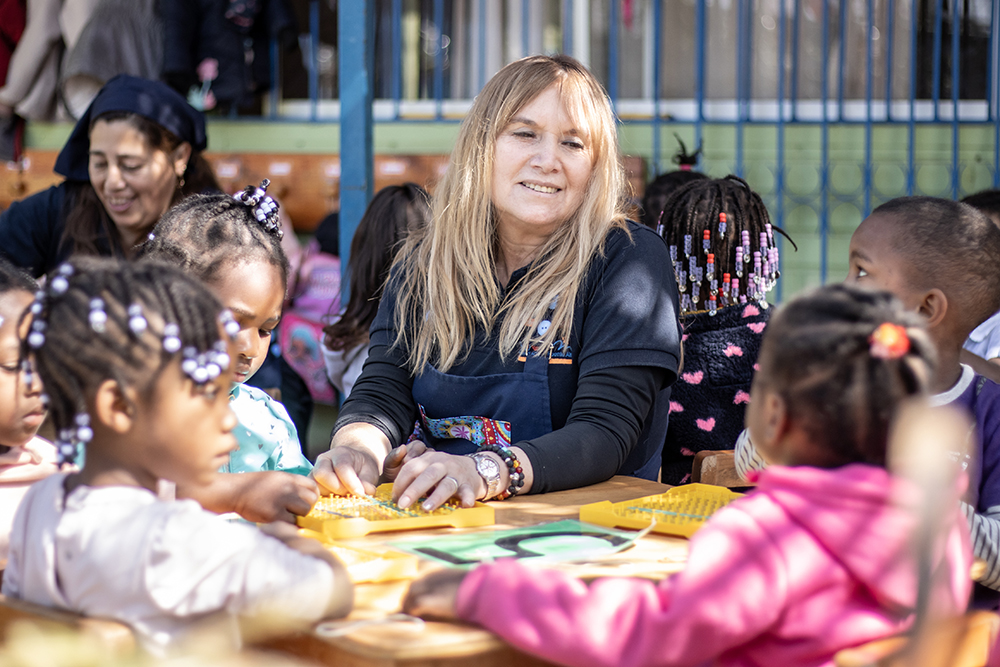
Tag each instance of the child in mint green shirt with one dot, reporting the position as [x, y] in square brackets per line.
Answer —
[268, 439]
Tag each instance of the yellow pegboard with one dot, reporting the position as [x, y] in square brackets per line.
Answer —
[680, 511]
[341, 517]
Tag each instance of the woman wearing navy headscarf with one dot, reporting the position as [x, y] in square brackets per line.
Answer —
[134, 153]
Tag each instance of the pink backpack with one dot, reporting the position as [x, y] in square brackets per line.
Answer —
[315, 294]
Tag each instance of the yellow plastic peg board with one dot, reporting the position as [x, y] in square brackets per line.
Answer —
[680, 511]
[340, 517]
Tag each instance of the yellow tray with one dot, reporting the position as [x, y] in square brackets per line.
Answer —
[366, 565]
[340, 517]
[680, 511]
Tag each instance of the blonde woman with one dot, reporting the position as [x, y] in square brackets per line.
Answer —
[529, 329]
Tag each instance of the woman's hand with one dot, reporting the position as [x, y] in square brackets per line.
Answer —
[400, 456]
[447, 474]
[351, 466]
[434, 595]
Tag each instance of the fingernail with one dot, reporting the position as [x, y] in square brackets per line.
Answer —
[404, 501]
[427, 506]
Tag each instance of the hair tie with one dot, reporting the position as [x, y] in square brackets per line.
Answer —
[263, 208]
[889, 341]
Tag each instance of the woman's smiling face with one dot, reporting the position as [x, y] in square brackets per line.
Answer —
[542, 166]
[135, 181]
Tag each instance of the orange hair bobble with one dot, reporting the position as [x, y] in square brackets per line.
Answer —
[889, 341]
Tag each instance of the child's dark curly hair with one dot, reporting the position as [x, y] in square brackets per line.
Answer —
[820, 356]
[73, 356]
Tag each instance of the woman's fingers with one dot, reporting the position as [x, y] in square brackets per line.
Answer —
[436, 476]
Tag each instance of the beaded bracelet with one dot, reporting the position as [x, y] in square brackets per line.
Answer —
[513, 468]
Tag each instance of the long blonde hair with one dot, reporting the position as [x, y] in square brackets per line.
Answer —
[446, 272]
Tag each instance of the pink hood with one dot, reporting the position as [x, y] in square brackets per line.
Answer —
[857, 513]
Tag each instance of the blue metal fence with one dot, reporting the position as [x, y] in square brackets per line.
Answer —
[810, 129]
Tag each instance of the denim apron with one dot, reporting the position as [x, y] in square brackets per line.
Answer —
[459, 414]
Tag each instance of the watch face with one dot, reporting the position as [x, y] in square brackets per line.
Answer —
[487, 467]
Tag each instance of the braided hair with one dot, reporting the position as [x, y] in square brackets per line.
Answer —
[658, 190]
[206, 233]
[725, 221]
[99, 319]
[13, 277]
[823, 354]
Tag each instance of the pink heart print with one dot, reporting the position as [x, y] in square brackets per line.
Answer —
[676, 407]
[693, 378]
[705, 424]
[756, 327]
[741, 397]
[751, 311]
[733, 350]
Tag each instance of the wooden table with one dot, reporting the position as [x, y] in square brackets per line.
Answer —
[452, 644]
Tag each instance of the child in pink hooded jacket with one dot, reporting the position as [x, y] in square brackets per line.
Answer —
[818, 558]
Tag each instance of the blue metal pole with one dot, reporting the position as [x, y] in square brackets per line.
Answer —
[741, 51]
[955, 62]
[889, 35]
[439, 59]
[699, 68]
[356, 37]
[779, 180]
[995, 103]
[936, 65]
[657, 55]
[525, 37]
[795, 60]
[613, 51]
[313, 56]
[911, 130]
[867, 173]
[841, 59]
[567, 26]
[824, 173]
[397, 55]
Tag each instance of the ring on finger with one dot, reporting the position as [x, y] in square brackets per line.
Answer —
[454, 480]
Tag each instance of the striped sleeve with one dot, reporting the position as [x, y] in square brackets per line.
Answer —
[746, 455]
[985, 529]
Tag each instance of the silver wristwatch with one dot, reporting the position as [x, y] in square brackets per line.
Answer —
[489, 470]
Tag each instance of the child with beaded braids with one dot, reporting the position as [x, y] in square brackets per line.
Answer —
[24, 457]
[816, 559]
[233, 245]
[136, 362]
[725, 260]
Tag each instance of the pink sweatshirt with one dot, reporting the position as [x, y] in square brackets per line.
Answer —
[812, 561]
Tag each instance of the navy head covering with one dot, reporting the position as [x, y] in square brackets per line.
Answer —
[154, 100]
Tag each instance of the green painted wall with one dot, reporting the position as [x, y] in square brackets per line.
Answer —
[803, 196]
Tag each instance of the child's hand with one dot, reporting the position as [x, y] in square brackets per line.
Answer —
[434, 595]
[276, 496]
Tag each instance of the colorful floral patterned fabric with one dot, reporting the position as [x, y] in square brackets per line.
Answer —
[477, 430]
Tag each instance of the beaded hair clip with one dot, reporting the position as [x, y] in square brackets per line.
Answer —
[265, 209]
[200, 366]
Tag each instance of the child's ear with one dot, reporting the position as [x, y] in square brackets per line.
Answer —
[934, 307]
[113, 407]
